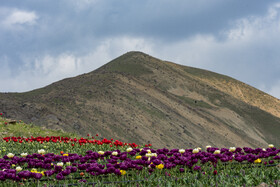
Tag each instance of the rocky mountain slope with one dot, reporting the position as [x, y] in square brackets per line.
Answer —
[138, 98]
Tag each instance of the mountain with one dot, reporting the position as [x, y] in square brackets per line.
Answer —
[139, 98]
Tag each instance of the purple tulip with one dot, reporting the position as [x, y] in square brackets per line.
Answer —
[66, 172]
[82, 181]
[37, 175]
[57, 169]
[82, 166]
[182, 170]
[59, 176]
[117, 172]
[196, 168]
[2, 177]
[139, 168]
[49, 173]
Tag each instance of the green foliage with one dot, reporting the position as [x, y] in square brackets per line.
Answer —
[196, 103]
[132, 69]
[153, 111]
[26, 130]
[129, 64]
[207, 74]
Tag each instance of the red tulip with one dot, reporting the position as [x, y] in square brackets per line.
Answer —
[215, 172]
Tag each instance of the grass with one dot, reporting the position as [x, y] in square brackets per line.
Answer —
[207, 74]
[128, 64]
[153, 111]
[196, 103]
[132, 69]
[22, 129]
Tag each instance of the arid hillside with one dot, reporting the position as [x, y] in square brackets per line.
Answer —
[139, 98]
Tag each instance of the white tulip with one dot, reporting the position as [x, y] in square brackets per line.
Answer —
[217, 152]
[195, 150]
[23, 154]
[60, 164]
[41, 151]
[115, 153]
[181, 151]
[10, 155]
[18, 168]
[149, 154]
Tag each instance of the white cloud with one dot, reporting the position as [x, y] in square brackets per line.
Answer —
[14, 18]
[47, 69]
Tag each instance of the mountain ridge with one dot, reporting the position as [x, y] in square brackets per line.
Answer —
[137, 97]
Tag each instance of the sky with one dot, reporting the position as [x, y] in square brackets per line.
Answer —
[44, 41]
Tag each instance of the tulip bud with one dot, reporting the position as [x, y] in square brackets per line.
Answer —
[195, 150]
[181, 151]
[18, 169]
[217, 152]
[41, 151]
[115, 153]
[101, 152]
[59, 164]
[10, 155]
[23, 154]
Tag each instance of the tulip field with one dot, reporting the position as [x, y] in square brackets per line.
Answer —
[90, 161]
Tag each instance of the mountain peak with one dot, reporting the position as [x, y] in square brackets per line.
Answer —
[134, 62]
[136, 54]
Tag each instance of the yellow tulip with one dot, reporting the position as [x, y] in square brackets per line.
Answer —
[258, 161]
[123, 172]
[160, 166]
